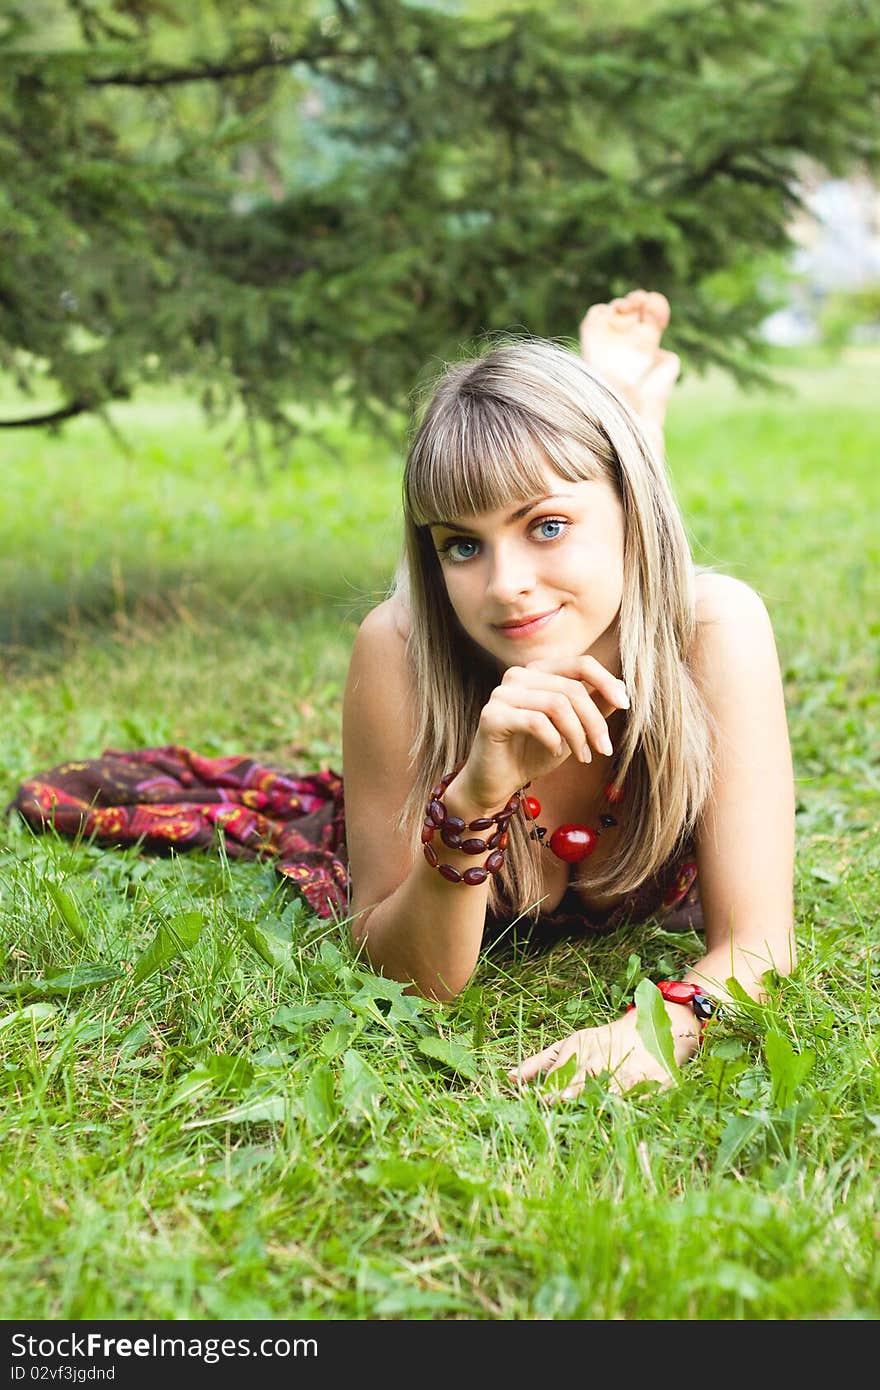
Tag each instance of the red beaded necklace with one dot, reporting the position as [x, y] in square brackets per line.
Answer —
[572, 843]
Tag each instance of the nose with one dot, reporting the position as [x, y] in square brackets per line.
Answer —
[511, 573]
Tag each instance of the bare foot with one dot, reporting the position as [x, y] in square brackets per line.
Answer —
[621, 342]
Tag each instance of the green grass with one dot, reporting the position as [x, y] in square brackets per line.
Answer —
[277, 1135]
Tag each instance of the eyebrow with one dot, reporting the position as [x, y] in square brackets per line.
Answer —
[517, 515]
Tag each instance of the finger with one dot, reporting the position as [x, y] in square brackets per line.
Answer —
[558, 708]
[532, 1066]
[502, 719]
[593, 719]
[587, 670]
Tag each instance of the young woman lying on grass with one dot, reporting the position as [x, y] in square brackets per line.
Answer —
[556, 713]
[555, 719]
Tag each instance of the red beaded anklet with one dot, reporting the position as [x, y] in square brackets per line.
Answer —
[452, 833]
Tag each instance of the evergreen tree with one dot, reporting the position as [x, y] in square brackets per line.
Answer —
[322, 208]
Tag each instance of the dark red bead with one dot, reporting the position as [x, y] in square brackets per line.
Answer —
[437, 812]
[532, 807]
[481, 823]
[513, 805]
[431, 856]
[475, 875]
[454, 823]
[494, 840]
[450, 838]
[677, 991]
[427, 834]
[450, 872]
[495, 862]
[573, 843]
[474, 846]
[436, 791]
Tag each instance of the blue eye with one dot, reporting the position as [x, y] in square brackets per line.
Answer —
[454, 548]
[551, 521]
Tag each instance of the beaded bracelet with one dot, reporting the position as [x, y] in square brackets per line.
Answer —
[452, 832]
[686, 992]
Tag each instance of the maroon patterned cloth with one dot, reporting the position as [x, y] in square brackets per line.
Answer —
[171, 798]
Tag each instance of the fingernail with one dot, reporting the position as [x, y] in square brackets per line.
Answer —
[605, 744]
[624, 697]
[586, 755]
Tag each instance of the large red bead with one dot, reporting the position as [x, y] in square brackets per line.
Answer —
[532, 807]
[573, 842]
[678, 991]
[495, 862]
[431, 856]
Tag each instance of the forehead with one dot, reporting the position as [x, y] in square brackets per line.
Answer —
[556, 491]
[478, 461]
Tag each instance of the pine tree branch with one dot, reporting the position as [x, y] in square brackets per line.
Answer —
[54, 417]
[215, 72]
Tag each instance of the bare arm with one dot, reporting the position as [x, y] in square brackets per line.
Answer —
[745, 844]
[414, 925]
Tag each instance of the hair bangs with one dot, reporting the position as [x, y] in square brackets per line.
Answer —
[480, 454]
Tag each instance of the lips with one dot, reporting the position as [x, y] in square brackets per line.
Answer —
[524, 627]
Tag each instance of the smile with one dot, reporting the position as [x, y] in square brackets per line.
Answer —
[528, 626]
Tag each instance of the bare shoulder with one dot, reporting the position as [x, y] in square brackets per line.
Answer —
[378, 671]
[388, 621]
[734, 649]
[721, 598]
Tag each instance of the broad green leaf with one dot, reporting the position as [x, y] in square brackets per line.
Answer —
[258, 1109]
[68, 911]
[451, 1054]
[272, 949]
[633, 971]
[173, 939]
[654, 1027]
[293, 1017]
[740, 1131]
[31, 1013]
[419, 1174]
[361, 1088]
[787, 1067]
[736, 992]
[68, 981]
[319, 1100]
[221, 1072]
[560, 1077]
[337, 1039]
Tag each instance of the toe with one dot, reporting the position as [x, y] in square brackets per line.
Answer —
[657, 308]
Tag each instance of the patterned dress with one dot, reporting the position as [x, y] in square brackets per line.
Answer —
[172, 799]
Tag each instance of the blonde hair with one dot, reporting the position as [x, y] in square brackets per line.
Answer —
[491, 426]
